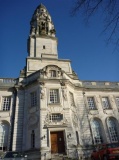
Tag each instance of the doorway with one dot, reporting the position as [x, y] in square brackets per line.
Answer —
[57, 142]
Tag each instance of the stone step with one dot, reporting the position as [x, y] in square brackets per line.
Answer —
[59, 157]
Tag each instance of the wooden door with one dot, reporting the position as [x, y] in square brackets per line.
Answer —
[57, 142]
[54, 146]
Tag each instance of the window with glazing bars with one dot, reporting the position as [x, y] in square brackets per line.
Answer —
[91, 103]
[33, 99]
[1, 139]
[56, 117]
[112, 130]
[96, 131]
[105, 103]
[6, 101]
[52, 73]
[3, 147]
[54, 96]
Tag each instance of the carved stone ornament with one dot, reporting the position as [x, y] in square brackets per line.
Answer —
[46, 72]
[64, 93]
[47, 121]
[43, 73]
[42, 93]
[23, 72]
[62, 83]
[41, 83]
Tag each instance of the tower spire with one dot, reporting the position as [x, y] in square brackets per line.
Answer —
[42, 41]
[41, 22]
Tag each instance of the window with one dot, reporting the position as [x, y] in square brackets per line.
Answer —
[71, 99]
[77, 137]
[43, 47]
[56, 117]
[33, 99]
[105, 103]
[4, 130]
[53, 73]
[96, 131]
[54, 96]
[6, 101]
[33, 139]
[91, 103]
[112, 130]
[117, 101]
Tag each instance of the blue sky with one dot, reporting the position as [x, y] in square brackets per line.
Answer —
[83, 44]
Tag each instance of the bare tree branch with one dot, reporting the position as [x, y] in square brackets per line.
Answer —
[110, 10]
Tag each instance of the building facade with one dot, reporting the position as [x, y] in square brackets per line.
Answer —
[47, 109]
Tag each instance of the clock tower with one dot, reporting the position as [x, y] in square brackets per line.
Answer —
[42, 42]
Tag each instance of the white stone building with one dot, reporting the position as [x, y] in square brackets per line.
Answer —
[47, 109]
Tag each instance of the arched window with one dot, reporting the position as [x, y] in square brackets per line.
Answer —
[96, 131]
[4, 130]
[112, 130]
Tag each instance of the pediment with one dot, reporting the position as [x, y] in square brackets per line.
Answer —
[52, 71]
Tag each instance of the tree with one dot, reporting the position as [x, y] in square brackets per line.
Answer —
[110, 11]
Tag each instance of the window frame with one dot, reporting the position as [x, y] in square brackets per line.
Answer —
[113, 129]
[109, 103]
[117, 105]
[58, 97]
[96, 131]
[34, 101]
[52, 119]
[94, 100]
[33, 139]
[4, 135]
[5, 103]
[44, 47]
[77, 137]
[53, 73]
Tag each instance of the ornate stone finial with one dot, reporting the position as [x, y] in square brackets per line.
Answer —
[23, 72]
[41, 23]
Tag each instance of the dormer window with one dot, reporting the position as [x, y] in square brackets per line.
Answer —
[53, 73]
